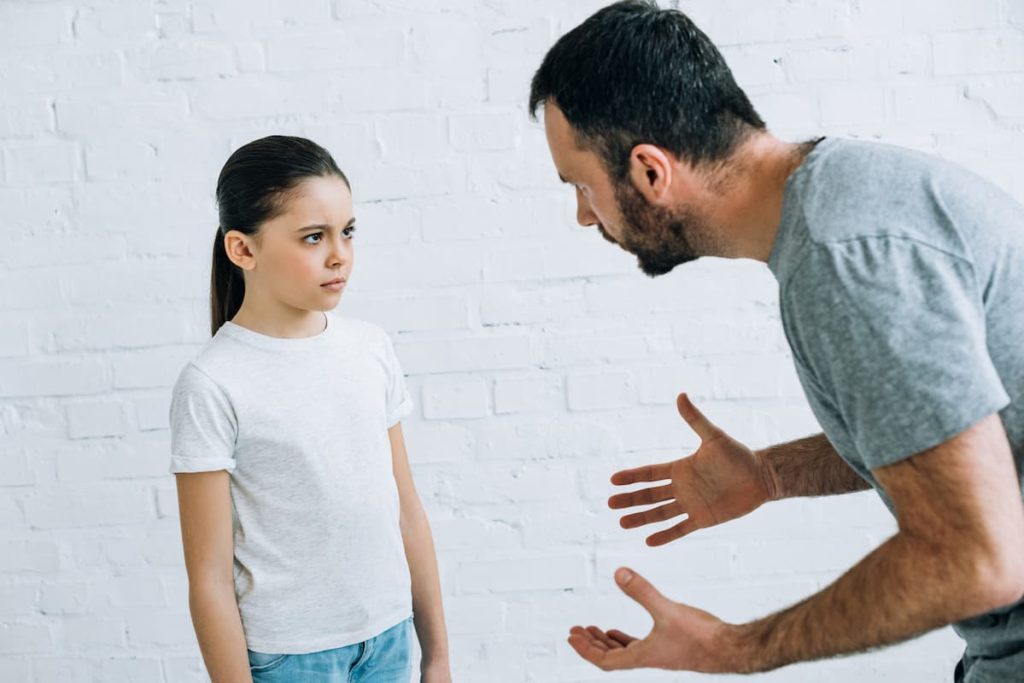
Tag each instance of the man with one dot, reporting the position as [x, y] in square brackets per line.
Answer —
[901, 284]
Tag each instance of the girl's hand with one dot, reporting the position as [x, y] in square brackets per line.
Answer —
[436, 672]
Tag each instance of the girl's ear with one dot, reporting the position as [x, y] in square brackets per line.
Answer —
[238, 247]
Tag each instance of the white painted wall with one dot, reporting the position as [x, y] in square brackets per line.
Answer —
[541, 358]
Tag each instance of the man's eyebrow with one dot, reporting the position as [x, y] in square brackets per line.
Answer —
[324, 226]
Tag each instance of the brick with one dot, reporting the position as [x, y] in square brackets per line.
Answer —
[925, 16]
[34, 25]
[183, 60]
[127, 458]
[521, 304]
[92, 505]
[534, 393]
[95, 418]
[1001, 95]
[14, 339]
[601, 390]
[504, 352]
[144, 369]
[29, 556]
[128, 110]
[26, 118]
[54, 162]
[455, 399]
[371, 46]
[412, 138]
[465, 218]
[438, 443]
[485, 131]
[24, 638]
[53, 377]
[978, 52]
[34, 252]
[247, 97]
[847, 105]
[523, 574]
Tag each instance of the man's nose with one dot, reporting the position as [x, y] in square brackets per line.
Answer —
[584, 214]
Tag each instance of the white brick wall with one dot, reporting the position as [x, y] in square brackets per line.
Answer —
[541, 359]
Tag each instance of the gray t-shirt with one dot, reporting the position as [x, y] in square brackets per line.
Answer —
[301, 427]
[901, 284]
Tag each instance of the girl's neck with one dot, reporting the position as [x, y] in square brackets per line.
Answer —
[279, 320]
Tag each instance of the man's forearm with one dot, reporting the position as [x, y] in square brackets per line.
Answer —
[809, 467]
[219, 631]
[904, 588]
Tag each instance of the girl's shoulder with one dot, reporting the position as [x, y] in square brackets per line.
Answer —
[356, 332]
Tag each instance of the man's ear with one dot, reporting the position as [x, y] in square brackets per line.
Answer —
[652, 171]
[238, 248]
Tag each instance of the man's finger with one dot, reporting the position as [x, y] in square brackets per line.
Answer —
[641, 590]
[620, 637]
[705, 429]
[658, 514]
[645, 473]
[609, 660]
[603, 638]
[649, 496]
[684, 527]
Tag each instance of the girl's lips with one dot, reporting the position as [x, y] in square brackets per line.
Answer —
[334, 285]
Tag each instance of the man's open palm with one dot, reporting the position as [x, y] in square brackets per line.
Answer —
[723, 480]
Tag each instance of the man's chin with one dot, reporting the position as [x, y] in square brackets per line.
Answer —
[655, 266]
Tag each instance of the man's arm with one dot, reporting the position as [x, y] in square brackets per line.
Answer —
[959, 552]
[808, 467]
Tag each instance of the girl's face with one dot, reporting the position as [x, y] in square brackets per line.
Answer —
[303, 257]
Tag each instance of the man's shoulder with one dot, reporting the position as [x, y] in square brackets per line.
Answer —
[858, 189]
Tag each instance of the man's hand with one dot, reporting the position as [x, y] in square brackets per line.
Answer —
[723, 480]
[683, 638]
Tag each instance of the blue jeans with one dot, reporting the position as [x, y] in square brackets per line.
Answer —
[385, 658]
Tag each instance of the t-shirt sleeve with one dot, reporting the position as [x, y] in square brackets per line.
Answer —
[203, 424]
[894, 331]
[398, 402]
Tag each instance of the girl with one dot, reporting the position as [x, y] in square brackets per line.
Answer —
[306, 546]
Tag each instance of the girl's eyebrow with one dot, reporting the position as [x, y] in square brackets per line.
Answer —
[324, 226]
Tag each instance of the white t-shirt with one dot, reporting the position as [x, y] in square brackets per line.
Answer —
[301, 426]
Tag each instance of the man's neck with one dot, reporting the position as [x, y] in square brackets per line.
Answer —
[749, 209]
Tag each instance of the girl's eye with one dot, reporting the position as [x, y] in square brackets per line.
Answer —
[349, 232]
[318, 235]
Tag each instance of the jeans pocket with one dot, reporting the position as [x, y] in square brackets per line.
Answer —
[260, 662]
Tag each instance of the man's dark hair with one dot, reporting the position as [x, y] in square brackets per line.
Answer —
[633, 73]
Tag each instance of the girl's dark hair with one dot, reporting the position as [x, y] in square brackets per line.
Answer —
[633, 73]
[252, 188]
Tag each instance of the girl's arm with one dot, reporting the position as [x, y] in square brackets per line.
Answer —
[204, 504]
[419, 553]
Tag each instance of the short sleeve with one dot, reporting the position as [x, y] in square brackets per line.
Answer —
[398, 402]
[203, 424]
[893, 331]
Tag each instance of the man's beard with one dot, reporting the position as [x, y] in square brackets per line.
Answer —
[661, 239]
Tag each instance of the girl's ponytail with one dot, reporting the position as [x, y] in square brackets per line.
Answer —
[250, 191]
[227, 286]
